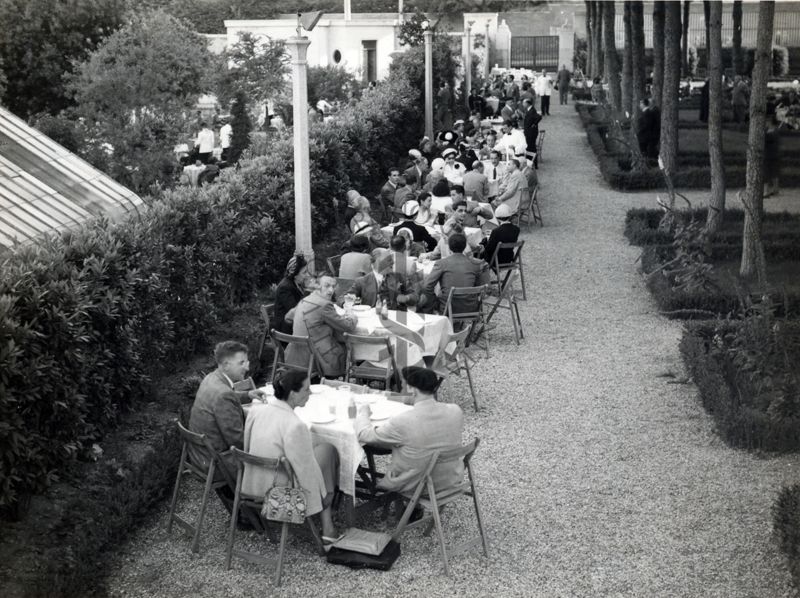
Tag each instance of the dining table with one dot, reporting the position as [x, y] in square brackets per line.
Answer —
[327, 418]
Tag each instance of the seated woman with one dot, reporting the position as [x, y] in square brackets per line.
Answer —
[275, 431]
[363, 223]
[316, 317]
[355, 262]
[291, 289]
[427, 215]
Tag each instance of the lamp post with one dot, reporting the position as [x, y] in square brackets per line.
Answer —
[487, 61]
[427, 34]
[468, 65]
[298, 50]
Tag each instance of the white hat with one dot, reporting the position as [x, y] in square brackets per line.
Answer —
[458, 122]
[503, 211]
[410, 208]
[437, 164]
[449, 152]
[416, 154]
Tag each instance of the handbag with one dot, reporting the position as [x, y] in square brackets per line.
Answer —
[284, 503]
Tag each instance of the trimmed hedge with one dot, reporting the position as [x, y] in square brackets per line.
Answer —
[744, 415]
[89, 317]
[786, 523]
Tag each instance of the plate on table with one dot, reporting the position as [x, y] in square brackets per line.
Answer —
[317, 388]
[361, 308]
[321, 417]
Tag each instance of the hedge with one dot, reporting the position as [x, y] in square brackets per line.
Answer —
[88, 318]
[694, 171]
[745, 416]
[786, 523]
[641, 226]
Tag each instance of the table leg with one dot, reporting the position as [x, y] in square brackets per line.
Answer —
[349, 510]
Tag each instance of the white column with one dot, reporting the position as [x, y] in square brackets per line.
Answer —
[298, 49]
[468, 66]
[487, 65]
[347, 10]
[428, 83]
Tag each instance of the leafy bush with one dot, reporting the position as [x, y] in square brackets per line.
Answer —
[745, 373]
[786, 523]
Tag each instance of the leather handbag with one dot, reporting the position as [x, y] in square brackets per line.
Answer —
[284, 503]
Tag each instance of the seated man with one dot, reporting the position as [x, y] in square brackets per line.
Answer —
[510, 192]
[419, 233]
[507, 232]
[217, 411]
[316, 317]
[456, 270]
[415, 434]
[370, 287]
[474, 214]
[355, 262]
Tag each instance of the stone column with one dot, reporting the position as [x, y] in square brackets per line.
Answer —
[298, 48]
[428, 83]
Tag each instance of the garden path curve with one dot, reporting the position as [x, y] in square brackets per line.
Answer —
[598, 475]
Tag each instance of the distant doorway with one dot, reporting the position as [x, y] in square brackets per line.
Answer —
[370, 63]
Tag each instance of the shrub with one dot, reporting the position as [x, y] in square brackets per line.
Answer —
[786, 523]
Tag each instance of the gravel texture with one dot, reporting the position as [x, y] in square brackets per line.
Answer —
[597, 475]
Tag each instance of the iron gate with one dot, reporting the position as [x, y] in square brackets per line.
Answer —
[535, 52]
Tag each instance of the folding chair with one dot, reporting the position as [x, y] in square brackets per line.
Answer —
[498, 267]
[474, 317]
[540, 144]
[333, 264]
[529, 211]
[202, 449]
[255, 502]
[365, 370]
[438, 498]
[281, 340]
[267, 313]
[447, 363]
[507, 300]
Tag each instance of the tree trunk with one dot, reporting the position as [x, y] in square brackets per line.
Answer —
[611, 58]
[707, 20]
[685, 40]
[714, 47]
[637, 60]
[658, 52]
[753, 262]
[627, 61]
[738, 60]
[672, 77]
[589, 43]
[598, 39]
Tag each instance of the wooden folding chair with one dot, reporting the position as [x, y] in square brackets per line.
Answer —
[365, 370]
[202, 450]
[472, 318]
[499, 267]
[267, 313]
[241, 499]
[333, 264]
[281, 340]
[529, 211]
[436, 499]
[451, 360]
[507, 299]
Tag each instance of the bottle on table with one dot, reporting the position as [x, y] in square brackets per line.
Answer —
[351, 408]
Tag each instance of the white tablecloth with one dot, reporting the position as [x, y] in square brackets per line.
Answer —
[341, 433]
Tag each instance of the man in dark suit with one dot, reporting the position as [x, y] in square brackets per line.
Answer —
[389, 189]
[371, 286]
[456, 270]
[419, 233]
[217, 411]
[506, 232]
[649, 133]
[415, 174]
[530, 128]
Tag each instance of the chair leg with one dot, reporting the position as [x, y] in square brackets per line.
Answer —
[281, 552]
[516, 311]
[478, 515]
[232, 531]
[511, 305]
[174, 501]
[203, 505]
[437, 520]
[317, 537]
[471, 386]
[522, 280]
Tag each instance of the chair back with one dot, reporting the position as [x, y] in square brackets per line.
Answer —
[281, 340]
[353, 340]
[202, 455]
[357, 389]
[242, 458]
[471, 294]
[267, 311]
[505, 248]
[444, 359]
[333, 264]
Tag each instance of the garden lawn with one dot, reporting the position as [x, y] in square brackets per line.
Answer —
[598, 474]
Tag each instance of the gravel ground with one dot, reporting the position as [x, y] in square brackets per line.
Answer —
[597, 476]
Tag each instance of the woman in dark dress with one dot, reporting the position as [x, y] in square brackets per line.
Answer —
[291, 289]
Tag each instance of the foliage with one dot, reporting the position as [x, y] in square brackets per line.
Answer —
[136, 88]
[61, 129]
[410, 65]
[693, 61]
[40, 41]
[208, 16]
[331, 83]
[580, 54]
[241, 125]
[412, 31]
[258, 67]
[786, 523]
[780, 61]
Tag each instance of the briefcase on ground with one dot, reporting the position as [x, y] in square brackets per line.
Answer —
[362, 549]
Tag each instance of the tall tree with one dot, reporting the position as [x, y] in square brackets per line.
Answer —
[672, 78]
[714, 47]
[598, 39]
[589, 40]
[753, 262]
[41, 40]
[685, 40]
[637, 51]
[627, 60]
[738, 58]
[658, 52]
[260, 66]
[611, 59]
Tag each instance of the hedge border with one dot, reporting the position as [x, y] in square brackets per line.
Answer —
[786, 524]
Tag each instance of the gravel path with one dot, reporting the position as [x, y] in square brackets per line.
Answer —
[598, 477]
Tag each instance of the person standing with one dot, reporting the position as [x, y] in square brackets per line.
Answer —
[563, 78]
[225, 137]
[740, 99]
[530, 127]
[544, 87]
[649, 133]
[443, 112]
[204, 143]
[389, 189]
